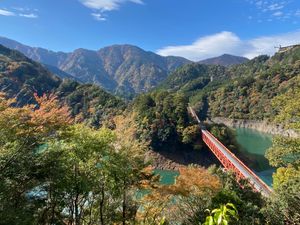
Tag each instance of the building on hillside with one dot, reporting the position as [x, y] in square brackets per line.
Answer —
[286, 48]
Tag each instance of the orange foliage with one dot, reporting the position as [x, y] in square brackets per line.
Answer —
[50, 113]
[196, 181]
[29, 120]
[192, 183]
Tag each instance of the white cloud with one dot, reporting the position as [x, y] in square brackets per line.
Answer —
[20, 9]
[30, 15]
[230, 43]
[277, 9]
[6, 13]
[98, 16]
[266, 44]
[107, 5]
[25, 13]
[278, 13]
[276, 6]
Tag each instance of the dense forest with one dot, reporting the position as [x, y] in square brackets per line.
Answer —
[241, 91]
[74, 154]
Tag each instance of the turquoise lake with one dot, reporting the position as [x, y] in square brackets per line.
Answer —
[256, 144]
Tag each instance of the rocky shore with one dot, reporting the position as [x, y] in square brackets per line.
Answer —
[262, 126]
[173, 160]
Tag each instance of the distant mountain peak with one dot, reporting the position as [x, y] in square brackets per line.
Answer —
[225, 60]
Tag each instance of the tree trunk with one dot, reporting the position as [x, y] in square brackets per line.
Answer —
[101, 208]
[76, 206]
[124, 203]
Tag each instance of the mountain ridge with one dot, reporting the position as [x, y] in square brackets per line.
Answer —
[225, 60]
[121, 69]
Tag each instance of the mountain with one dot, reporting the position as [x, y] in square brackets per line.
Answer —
[254, 85]
[37, 54]
[243, 91]
[60, 73]
[225, 60]
[122, 69]
[21, 77]
[191, 77]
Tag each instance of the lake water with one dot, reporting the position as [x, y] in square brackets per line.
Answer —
[167, 177]
[255, 144]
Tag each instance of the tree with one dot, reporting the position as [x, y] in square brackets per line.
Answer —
[23, 134]
[191, 135]
[285, 154]
[77, 156]
[184, 201]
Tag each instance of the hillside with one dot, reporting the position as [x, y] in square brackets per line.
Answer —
[122, 69]
[242, 91]
[225, 60]
[191, 77]
[249, 95]
[21, 77]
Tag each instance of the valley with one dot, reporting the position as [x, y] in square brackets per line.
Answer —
[150, 112]
[124, 106]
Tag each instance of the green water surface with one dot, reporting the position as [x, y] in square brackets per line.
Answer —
[256, 144]
[167, 177]
[253, 141]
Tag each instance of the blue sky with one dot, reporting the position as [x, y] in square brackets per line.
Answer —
[194, 29]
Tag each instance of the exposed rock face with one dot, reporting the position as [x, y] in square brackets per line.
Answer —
[263, 126]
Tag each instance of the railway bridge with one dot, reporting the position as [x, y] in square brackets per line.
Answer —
[230, 161]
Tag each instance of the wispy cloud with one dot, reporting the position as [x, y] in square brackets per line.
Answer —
[4, 12]
[18, 11]
[98, 16]
[276, 6]
[228, 42]
[30, 15]
[105, 5]
[274, 9]
[278, 13]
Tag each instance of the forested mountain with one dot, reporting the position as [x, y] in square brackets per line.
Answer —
[191, 77]
[37, 54]
[122, 69]
[249, 94]
[21, 77]
[242, 91]
[225, 60]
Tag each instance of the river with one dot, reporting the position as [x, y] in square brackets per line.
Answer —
[251, 143]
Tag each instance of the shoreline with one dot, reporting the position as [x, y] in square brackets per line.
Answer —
[260, 126]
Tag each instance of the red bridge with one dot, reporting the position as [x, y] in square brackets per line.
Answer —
[230, 161]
